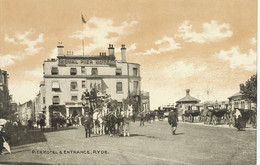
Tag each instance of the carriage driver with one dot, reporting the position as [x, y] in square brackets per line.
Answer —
[173, 120]
[88, 122]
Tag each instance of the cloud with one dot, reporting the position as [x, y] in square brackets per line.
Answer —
[23, 40]
[6, 60]
[24, 90]
[102, 32]
[37, 73]
[181, 69]
[211, 32]
[132, 47]
[237, 59]
[54, 53]
[165, 44]
[253, 41]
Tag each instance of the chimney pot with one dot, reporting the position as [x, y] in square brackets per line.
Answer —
[111, 50]
[123, 53]
[187, 91]
[60, 48]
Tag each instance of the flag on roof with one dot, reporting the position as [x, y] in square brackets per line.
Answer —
[83, 20]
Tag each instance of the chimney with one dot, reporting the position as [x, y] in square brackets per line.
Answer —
[187, 92]
[111, 50]
[60, 49]
[123, 53]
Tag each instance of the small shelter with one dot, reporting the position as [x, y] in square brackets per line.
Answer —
[187, 102]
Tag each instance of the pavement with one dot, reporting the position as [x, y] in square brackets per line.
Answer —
[194, 143]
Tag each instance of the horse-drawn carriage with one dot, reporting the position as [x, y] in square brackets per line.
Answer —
[211, 115]
[189, 115]
[241, 117]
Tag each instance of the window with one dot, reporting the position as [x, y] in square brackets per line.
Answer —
[73, 71]
[54, 71]
[55, 86]
[83, 84]
[236, 104]
[74, 98]
[56, 100]
[135, 71]
[94, 71]
[118, 71]
[119, 87]
[73, 86]
[83, 70]
[242, 104]
[91, 86]
[43, 100]
[135, 87]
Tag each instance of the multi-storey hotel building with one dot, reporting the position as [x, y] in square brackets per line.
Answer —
[68, 76]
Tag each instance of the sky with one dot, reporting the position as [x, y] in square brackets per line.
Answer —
[207, 46]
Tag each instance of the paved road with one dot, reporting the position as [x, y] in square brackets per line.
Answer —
[151, 144]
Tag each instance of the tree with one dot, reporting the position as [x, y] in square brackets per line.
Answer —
[131, 100]
[249, 89]
[4, 102]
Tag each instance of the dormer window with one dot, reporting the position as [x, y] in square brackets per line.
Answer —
[73, 71]
[94, 71]
[118, 71]
[54, 71]
[135, 72]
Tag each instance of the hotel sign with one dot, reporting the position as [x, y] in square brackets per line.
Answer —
[85, 62]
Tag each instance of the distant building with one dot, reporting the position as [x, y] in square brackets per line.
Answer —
[237, 101]
[187, 102]
[4, 93]
[25, 112]
[145, 101]
[68, 76]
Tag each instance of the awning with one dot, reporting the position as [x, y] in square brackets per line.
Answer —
[55, 85]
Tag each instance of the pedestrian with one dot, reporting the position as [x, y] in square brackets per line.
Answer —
[173, 120]
[239, 122]
[88, 123]
[1, 140]
[42, 124]
[141, 115]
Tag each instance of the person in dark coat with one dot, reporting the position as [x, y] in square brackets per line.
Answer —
[42, 124]
[88, 123]
[141, 115]
[1, 140]
[173, 120]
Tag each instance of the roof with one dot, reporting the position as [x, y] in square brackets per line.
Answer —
[209, 102]
[188, 98]
[236, 95]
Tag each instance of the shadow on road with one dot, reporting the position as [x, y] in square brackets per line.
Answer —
[48, 130]
[23, 163]
[179, 133]
[134, 135]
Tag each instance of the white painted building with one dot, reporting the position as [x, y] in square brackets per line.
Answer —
[68, 76]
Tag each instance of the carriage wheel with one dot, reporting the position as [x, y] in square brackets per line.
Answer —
[214, 120]
[225, 119]
[191, 118]
[254, 122]
[205, 119]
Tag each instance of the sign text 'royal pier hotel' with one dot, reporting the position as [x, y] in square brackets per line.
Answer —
[104, 60]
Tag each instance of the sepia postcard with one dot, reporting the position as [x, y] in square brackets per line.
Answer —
[128, 82]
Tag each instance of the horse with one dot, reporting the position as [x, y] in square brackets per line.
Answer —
[96, 121]
[126, 122]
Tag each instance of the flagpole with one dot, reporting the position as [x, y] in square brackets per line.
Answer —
[82, 34]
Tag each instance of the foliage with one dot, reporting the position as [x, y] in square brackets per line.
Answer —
[249, 89]
[5, 102]
[131, 100]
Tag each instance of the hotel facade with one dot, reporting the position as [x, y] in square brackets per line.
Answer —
[68, 76]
